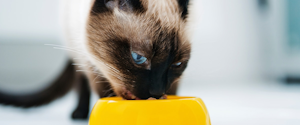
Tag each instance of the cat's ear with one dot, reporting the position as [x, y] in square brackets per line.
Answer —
[124, 5]
[183, 4]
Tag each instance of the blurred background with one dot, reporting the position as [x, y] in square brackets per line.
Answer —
[245, 61]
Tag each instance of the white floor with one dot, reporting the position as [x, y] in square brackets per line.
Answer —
[252, 103]
[259, 104]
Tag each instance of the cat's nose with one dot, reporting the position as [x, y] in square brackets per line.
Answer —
[156, 93]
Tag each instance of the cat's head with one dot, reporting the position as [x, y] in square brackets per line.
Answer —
[141, 46]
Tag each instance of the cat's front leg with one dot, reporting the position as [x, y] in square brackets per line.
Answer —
[90, 81]
[82, 109]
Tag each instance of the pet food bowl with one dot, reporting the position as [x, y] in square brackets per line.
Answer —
[175, 110]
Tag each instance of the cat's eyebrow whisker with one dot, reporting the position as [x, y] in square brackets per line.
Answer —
[93, 12]
[124, 2]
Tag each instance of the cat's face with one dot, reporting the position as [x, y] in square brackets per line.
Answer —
[140, 45]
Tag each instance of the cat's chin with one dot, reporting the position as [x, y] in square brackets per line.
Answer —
[127, 95]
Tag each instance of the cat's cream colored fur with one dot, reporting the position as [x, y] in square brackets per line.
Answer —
[76, 16]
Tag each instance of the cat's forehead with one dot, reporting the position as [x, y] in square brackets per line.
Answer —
[140, 18]
[162, 45]
[168, 11]
[153, 26]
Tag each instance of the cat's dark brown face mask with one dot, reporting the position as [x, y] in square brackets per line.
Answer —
[142, 53]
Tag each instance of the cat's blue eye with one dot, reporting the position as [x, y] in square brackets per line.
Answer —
[177, 64]
[138, 59]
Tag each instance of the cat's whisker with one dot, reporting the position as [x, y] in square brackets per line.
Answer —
[79, 58]
[95, 78]
[102, 81]
[76, 64]
[76, 50]
[81, 66]
[64, 48]
[54, 45]
[80, 70]
[60, 46]
[102, 63]
[71, 50]
[108, 90]
[111, 94]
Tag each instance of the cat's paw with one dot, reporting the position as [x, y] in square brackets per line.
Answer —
[80, 114]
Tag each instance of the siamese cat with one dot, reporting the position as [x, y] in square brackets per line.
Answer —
[135, 49]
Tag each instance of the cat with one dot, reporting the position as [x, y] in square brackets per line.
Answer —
[136, 49]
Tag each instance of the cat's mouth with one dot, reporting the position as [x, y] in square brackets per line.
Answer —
[127, 95]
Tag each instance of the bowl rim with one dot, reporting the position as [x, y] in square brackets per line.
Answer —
[169, 98]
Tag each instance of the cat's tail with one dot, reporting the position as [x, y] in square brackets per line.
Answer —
[58, 88]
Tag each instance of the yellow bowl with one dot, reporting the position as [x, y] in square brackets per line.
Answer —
[172, 111]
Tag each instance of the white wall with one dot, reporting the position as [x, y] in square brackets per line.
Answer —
[233, 40]
[29, 21]
[227, 44]
[274, 30]
[25, 62]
